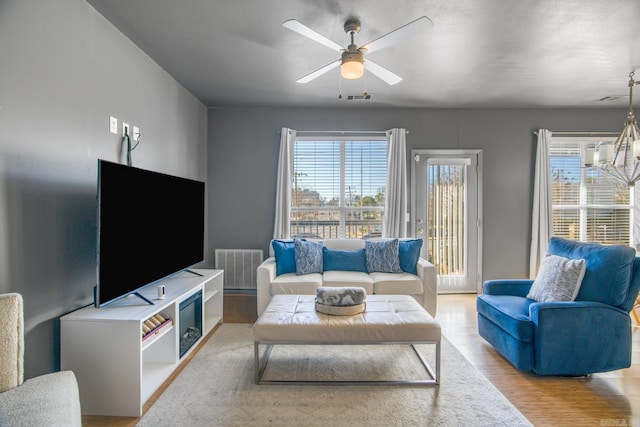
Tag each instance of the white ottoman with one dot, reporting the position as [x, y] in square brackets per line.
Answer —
[388, 319]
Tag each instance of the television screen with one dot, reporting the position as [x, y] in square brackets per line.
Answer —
[150, 226]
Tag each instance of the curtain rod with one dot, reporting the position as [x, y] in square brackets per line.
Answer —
[581, 133]
[343, 132]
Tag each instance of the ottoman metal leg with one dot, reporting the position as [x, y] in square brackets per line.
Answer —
[259, 367]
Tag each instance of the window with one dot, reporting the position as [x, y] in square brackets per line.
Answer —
[338, 187]
[588, 204]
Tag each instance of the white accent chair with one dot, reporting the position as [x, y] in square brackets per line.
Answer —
[47, 400]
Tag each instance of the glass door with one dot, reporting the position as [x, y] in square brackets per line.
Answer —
[446, 203]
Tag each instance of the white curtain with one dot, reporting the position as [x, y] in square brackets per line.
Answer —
[395, 205]
[283, 187]
[542, 216]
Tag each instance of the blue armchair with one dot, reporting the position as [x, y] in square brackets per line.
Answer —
[588, 335]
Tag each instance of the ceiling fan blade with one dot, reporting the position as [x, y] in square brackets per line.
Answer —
[408, 30]
[317, 73]
[298, 27]
[384, 74]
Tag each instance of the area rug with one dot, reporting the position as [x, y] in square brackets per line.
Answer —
[217, 388]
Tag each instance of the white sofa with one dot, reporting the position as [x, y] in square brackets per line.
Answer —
[421, 286]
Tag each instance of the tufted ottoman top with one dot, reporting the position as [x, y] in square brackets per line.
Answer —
[387, 319]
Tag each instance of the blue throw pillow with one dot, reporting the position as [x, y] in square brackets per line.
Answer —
[284, 251]
[382, 256]
[336, 259]
[308, 257]
[409, 252]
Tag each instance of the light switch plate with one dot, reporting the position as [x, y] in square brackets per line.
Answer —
[113, 125]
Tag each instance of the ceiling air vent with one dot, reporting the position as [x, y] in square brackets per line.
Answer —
[362, 97]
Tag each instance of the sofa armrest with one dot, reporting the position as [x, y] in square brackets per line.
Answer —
[265, 274]
[580, 337]
[514, 287]
[47, 400]
[428, 274]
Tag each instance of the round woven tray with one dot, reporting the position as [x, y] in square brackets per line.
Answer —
[341, 310]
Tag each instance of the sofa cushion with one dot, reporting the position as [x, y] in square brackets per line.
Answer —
[608, 273]
[284, 251]
[336, 259]
[393, 283]
[308, 257]
[292, 284]
[382, 256]
[558, 279]
[408, 253]
[510, 312]
[348, 278]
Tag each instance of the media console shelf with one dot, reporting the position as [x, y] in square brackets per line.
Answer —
[117, 370]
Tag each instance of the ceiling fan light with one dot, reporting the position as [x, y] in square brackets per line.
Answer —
[352, 65]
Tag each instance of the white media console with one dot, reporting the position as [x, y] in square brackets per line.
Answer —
[117, 370]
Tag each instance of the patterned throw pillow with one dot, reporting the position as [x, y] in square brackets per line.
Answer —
[558, 279]
[308, 257]
[382, 256]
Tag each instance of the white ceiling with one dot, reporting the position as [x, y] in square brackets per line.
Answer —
[480, 53]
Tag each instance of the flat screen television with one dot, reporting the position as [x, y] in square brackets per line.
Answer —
[150, 226]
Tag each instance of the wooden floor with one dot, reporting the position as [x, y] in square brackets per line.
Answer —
[608, 399]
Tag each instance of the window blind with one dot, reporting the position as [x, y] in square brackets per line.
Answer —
[588, 204]
[338, 188]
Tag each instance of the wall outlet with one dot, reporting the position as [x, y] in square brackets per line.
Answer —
[113, 125]
[125, 129]
[136, 133]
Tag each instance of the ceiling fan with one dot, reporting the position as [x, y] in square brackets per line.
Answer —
[353, 60]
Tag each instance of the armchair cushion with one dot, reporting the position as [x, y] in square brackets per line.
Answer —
[510, 312]
[608, 272]
[47, 400]
[558, 279]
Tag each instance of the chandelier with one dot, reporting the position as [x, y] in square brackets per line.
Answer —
[620, 159]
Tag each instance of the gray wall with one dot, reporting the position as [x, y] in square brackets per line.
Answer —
[64, 71]
[243, 156]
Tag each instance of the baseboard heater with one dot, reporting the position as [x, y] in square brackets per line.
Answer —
[239, 267]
